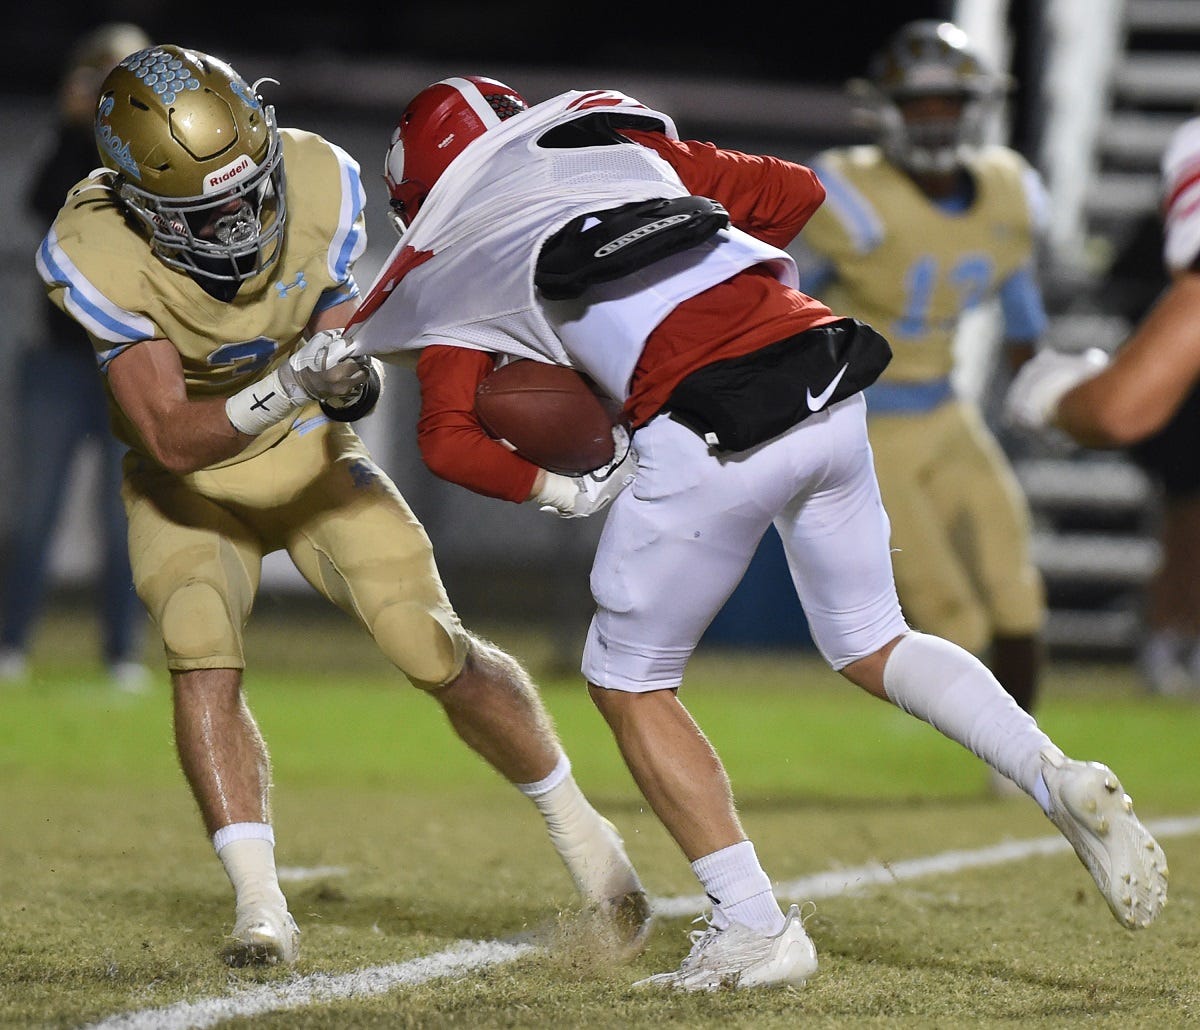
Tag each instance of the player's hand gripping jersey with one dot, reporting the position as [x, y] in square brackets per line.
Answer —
[99, 269]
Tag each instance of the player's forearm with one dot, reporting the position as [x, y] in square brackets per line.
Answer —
[1118, 408]
[1089, 418]
[179, 432]
[194, 436]
[1148, 379]
[474, 461]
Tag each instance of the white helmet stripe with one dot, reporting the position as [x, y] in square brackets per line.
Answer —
[475, 100]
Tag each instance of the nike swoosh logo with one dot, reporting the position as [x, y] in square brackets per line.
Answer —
[818, 402]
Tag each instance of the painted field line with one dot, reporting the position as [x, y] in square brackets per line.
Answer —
[846, 881]
[464, 957]
[299, 873]
[468, 956]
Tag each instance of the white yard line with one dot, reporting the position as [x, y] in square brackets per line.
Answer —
[846, 881]
[468, 956]
[464, 957]
[299, 873]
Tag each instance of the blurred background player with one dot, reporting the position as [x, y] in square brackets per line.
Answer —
[1145, 399]
[62, 408]
[208, 288]
[915, 232]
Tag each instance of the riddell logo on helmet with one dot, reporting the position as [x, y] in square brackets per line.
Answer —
[232, 172]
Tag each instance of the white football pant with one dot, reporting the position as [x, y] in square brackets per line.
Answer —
[679, 539]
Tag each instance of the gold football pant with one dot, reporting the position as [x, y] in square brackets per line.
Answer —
[196, 545]
[960, 527]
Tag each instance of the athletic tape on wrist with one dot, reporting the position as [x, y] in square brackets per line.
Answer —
[259, 406]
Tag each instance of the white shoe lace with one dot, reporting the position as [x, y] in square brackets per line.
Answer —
[700, 940]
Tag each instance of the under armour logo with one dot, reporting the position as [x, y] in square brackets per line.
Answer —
[261, 402]
[298, 284]
[362, 474]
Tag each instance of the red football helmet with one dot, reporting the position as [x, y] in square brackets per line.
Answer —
[434, 129]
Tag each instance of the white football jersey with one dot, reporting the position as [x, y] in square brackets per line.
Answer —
[1181, 196]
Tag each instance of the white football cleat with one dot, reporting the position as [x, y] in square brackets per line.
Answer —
[740, 957]
[263, 937]
[1095, 814]
[625, 923]
[609, 884]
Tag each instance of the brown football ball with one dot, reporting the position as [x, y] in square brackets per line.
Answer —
[549, 414]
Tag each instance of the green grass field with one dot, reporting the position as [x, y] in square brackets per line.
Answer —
[112, 905]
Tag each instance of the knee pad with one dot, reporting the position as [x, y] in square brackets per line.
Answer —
[197, 626]
[429, 647]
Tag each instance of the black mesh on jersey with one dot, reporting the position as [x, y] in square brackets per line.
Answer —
[506, 105]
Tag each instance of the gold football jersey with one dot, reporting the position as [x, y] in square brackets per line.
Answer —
[99, 269]
[908, 267]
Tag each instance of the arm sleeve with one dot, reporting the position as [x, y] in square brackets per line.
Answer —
[453, 444]
[1021, 304]
[767, 197]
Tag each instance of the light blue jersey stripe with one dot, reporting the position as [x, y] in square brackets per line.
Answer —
[350, 240]
[1021, 303]
[95, 312]
[852, 208]
[907, 398]
[336, 295]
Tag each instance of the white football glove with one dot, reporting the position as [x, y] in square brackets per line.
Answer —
[1032, 399]
[324, 369]
[576, 497]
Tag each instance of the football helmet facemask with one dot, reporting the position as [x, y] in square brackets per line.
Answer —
[929, 58]
[436, 126]
[196, 159]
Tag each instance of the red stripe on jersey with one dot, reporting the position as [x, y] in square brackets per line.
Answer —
[1191, 175]
[596, 98]
[401, 265]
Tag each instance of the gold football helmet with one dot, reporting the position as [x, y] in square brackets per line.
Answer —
[196, 157]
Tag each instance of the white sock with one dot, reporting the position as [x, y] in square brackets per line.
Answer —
[952, 690]
[588, 844]
[561, 770]
[247, 851]
[739, 889]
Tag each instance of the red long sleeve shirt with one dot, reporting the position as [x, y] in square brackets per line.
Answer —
[765, 196]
